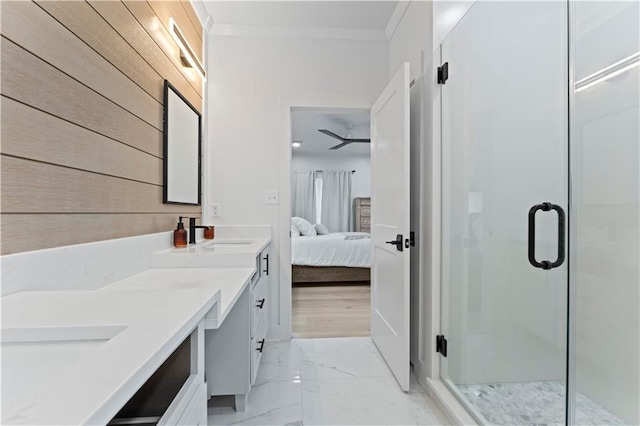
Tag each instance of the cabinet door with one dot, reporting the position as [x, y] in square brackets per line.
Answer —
[266, 262]
[268, 268]
[260, 302]
[257, 348]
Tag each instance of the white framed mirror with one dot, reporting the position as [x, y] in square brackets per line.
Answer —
[182, 154]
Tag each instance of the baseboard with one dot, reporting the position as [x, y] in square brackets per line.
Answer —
[277, 333]
[453, 410]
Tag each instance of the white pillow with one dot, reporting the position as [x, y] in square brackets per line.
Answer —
[321, 229]
[294, 231]
[304, 226]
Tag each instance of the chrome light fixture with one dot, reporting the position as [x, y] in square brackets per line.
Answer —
[186, 52]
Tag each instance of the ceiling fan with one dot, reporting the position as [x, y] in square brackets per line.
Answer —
[346, 140]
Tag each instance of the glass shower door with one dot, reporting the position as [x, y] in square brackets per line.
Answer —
[605, 197]
[505, 155]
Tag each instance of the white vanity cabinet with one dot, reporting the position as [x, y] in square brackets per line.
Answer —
[259, 315]
[233, 351]
[176, 393]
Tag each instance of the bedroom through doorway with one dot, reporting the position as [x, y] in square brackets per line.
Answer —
[330, 222]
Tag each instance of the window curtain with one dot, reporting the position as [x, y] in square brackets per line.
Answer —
[303, 197]
[336, 200]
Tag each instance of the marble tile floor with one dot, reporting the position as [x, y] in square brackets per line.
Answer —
[336, 381]
[533, 403]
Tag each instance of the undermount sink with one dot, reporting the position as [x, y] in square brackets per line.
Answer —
[19, 335]
[31, 356]
[228, 243]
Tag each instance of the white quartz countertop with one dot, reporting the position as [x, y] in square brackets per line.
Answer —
[147, 316]
[219, 252]
[230, 281]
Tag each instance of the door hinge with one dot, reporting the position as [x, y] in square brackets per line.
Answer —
[443, 73]
[441, 345]
[412, 239]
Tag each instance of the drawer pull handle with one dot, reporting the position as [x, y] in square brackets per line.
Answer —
[260, 303]
[261, 346]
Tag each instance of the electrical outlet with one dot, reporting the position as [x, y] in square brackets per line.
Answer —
[215, 209]
[271, 197]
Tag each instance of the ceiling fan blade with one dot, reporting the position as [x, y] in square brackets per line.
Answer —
[330, 133]
[358, 140]
[340, 145]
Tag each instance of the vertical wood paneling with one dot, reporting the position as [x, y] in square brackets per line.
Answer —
[81, 119]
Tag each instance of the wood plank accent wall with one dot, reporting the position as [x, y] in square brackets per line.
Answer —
[81, 110]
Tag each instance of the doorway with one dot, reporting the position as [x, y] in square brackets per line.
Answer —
[330, 222]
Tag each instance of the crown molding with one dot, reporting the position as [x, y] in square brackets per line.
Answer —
[396, 18]
[358, 34]
[298, 32]
[203, 15]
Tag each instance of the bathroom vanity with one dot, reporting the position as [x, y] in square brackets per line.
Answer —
[233, 349]
[151, 347]
[77, 357]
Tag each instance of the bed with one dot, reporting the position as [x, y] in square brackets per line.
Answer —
[336, 257]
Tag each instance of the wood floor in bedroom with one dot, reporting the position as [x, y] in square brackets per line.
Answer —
[335, 310]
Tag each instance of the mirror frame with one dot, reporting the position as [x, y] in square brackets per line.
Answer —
[165, 142]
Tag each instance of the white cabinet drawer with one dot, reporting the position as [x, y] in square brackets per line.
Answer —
[196, 412]
[259, 302]
[257, 347]
[190, 399]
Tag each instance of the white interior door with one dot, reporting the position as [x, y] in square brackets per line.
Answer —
[390, 223]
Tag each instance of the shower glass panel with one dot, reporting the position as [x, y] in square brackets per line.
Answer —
[605, 199]
[505, 150]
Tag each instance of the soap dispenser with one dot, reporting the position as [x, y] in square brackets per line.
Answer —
[180, 235]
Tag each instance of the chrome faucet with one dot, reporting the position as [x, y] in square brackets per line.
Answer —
[192, 229]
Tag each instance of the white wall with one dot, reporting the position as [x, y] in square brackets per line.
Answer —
[411, 42]
[361, 179]
[253, 83]
[411, 37]
[446, 15]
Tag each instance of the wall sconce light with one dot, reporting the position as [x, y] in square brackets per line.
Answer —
[296, 144]
[186, 53]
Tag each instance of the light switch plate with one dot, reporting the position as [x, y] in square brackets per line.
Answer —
[271, 197]
[215, 210]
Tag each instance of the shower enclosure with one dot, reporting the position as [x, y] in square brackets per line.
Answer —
[540, 208]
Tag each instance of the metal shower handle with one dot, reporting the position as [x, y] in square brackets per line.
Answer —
[546, 264]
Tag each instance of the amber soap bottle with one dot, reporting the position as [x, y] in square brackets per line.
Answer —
[180, 235]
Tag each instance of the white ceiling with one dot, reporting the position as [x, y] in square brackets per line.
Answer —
[373, 15]
[305, 124]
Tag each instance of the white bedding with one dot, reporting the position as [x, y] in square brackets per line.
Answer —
[331, 250]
